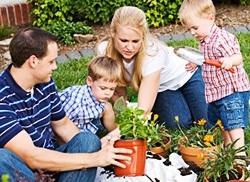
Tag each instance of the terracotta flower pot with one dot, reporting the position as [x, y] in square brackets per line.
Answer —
[242, 178]
[162, 151]
[191, 153]
[136, 166]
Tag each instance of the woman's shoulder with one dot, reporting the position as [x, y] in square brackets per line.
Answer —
[156, 48]
[101, 47]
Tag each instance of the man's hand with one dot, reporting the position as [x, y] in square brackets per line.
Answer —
[110, 155]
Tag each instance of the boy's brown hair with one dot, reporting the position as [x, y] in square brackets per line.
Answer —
[104, 67]
[195, 8]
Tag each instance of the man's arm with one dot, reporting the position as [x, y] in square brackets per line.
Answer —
[50, 160]
[64, 129]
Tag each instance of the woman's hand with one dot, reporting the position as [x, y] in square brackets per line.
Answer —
[191, 66]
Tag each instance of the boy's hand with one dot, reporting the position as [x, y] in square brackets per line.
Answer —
[191, 66]
[226, 63]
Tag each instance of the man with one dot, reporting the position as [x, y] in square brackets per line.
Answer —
[30, 109]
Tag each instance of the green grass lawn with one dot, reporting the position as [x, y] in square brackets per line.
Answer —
[74, 72]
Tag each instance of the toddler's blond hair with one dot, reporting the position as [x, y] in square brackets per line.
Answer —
[191, 9]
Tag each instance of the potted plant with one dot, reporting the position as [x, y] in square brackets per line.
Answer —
[222, 166]
[136, 129]
[159, 140]
[197, 143]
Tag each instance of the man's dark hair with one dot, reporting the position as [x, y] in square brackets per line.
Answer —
[27, 42]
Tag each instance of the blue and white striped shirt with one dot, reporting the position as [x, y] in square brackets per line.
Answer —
[82, 107]
[21, 110]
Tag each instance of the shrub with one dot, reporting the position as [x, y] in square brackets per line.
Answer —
[66, 30]
[98, 11]
[6, 31]
[160, 13]
[47, 12]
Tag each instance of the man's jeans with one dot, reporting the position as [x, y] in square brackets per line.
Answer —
[84, 142]
[188, 103]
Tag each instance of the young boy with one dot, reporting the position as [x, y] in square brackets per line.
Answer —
[227, 93]
[86, 105]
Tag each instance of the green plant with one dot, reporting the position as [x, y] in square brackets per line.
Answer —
[160, 13]
[6, 31]
[47, 12]
[5, 178]
[222, 164]
[97, 11]
[198, 136]
[134, 125]
[65, 30]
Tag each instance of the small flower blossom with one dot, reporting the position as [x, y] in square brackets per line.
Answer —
[156, 117]
[209, 138]
[200, 156]
[202, 122]
[219, 123]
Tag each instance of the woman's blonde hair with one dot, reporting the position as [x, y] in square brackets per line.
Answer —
[135, 19]
[104, 67]
[195, 8]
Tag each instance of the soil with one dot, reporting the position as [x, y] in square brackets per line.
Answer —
[228, 16]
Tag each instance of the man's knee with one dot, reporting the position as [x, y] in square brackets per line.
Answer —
[86, 142]
[6, 156]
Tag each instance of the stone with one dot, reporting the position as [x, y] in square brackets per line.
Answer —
[85, 38]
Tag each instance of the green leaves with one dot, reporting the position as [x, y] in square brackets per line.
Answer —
[222, 164]
[134, 125]
[65, 30]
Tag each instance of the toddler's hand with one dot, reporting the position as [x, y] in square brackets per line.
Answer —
[226, 63]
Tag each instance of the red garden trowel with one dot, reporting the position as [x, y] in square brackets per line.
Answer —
[196, 56]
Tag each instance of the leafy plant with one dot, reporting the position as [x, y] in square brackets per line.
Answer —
[6, 31]
[45, 12]
[134, 125]
[5, 178]
[160, 13]
[198, 136]
[97, 11]
[65, 30]
[222, 164]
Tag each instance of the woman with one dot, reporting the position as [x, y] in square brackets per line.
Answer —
[152, 69]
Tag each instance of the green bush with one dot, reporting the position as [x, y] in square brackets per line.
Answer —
[97, 11]
[160, 12]
[65, 30]
[46, 12]
[6, 31]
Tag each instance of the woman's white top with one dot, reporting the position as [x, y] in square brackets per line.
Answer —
[159, 57]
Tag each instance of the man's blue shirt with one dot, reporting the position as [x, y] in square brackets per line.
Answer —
[30, 111]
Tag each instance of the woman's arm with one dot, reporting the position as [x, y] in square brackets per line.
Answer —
[119, 91]
[148, 91]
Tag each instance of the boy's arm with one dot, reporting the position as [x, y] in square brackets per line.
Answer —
[108, 117]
